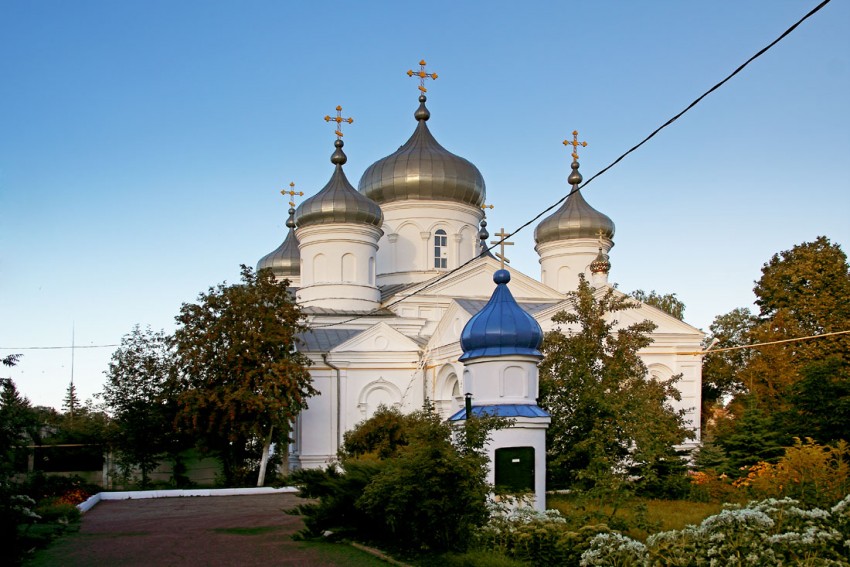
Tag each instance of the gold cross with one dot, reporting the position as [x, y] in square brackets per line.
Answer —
[502, 243]
[575, 144]
[422, 76]
[485, 207]
[292, 193]
[339, 120]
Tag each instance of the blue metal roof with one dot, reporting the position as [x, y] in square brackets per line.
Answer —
[502, 410]
[502, 328]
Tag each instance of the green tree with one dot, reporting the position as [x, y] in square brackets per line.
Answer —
[721, 370]
[607, 414]
[242, 381]
[137, 393]
[71, 402]
[667, 302]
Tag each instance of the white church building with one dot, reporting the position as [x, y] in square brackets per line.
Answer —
[390, 273]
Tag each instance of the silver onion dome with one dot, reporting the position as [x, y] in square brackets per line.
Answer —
[338, 201]
[574, 219]
[285, 260]
[422, 169]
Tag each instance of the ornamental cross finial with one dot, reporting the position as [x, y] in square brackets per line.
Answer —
[339, 120]
[575, 144]
[422, 76]
[292, 193]
[502, 243]
[485, 207]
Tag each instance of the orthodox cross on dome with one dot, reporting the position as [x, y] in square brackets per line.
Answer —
[422, 74]
[502, 243]
[292, 193]
[575, 144]
[339, 120]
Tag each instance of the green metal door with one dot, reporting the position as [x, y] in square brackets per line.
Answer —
[515, 469]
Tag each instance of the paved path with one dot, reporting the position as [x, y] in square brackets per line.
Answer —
[214, 530]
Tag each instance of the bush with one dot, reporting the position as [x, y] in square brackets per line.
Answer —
[816, 475]
[538, 538]
[427, 494]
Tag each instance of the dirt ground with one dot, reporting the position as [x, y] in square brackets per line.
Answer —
[213, 530]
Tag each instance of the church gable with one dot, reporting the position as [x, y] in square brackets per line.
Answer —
[450, 326]
[379, 338]
[475, 281]
[665, 323]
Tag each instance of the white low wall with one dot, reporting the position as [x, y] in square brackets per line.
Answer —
[140, 494]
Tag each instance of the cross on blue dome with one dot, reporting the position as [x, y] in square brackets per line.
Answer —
[502, 328]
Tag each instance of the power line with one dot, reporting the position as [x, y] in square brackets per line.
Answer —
[594, 176]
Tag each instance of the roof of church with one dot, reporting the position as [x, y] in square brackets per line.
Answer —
[575, 218]
[422, 169]
[473, 306]
[502, 327]
[338, 201]
[502, 410]
[323, 340]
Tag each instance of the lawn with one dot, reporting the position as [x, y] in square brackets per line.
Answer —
[636, 517]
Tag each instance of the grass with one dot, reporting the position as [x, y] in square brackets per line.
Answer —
[257, 530]
[342, 554]
[636, 517]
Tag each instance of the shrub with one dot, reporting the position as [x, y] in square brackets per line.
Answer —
[814, 474]
[538, 538]
[428, 493]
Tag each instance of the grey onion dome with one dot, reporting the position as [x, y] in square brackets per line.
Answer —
[338, 201]
[422, 169]
[574, 219]
[601, 264]
[285, 260]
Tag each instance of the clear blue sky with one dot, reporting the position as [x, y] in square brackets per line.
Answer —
[143, 144]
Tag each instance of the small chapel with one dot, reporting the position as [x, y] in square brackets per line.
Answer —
[407, 304]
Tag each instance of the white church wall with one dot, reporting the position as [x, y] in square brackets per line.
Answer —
[525, 432]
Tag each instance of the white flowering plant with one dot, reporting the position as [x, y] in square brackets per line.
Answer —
[768, 532]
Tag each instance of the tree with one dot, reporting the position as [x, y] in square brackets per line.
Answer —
[71, 403]
[607, 414]
[242, 380]
[784, 387]
[138, 394]
[721, 370]
[668, 302]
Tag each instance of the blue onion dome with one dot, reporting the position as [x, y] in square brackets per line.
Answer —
[575, 218]
[502, 328]
[338, 201]
[422, 169]
[285, 260]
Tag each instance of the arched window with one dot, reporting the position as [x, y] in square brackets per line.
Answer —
[441, 249]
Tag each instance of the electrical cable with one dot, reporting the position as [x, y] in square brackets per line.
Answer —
[594, 176]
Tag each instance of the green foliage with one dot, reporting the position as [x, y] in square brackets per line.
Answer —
[17, 423]
[241, 380]
[720, 370]
[381, 435]
[668, 302]
[608, 419]
[751, 438]
[138, 393]
[427, 494]
[820, 401]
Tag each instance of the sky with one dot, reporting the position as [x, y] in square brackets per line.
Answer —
[143, 145]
